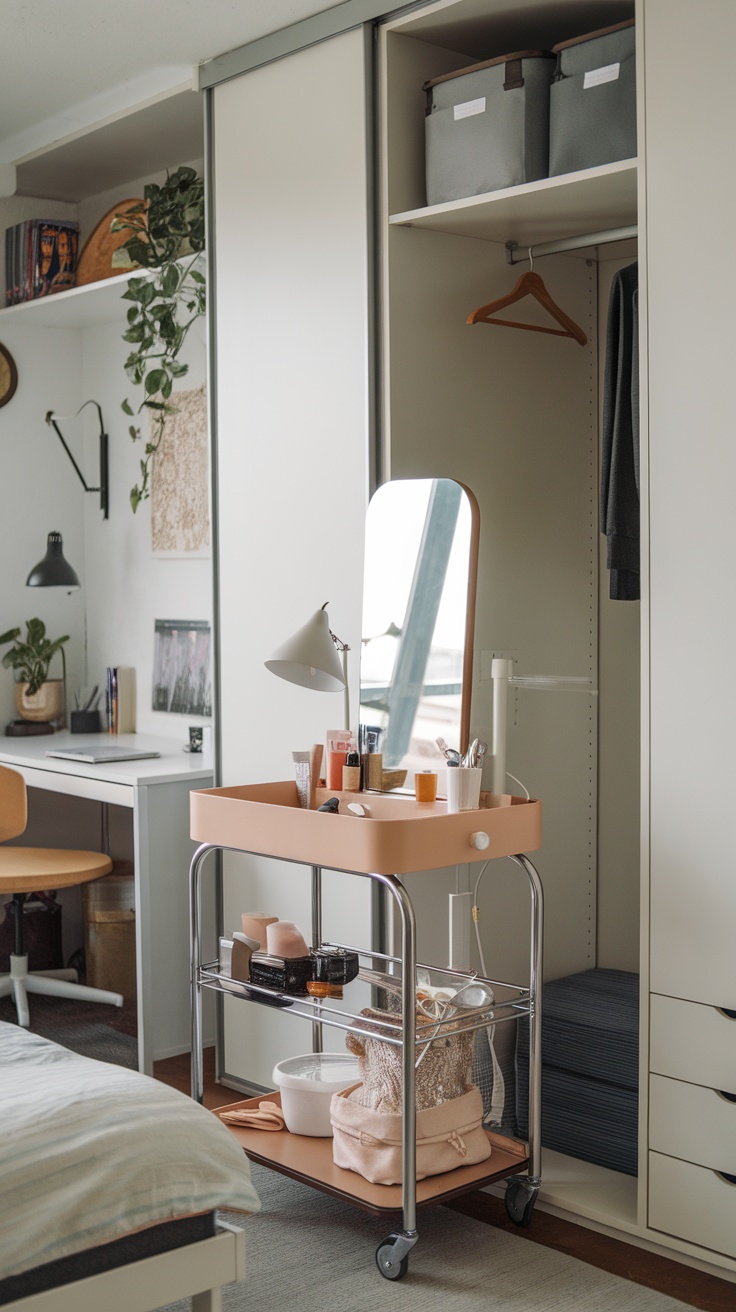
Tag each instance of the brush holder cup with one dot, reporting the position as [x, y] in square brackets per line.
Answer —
[85, 722]
[463, 788]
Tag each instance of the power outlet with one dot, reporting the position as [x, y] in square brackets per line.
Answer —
[461, 909]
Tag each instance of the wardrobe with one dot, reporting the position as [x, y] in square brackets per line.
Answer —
[343, 357]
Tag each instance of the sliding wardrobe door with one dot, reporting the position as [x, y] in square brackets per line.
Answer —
[291, 227]
[693, 528]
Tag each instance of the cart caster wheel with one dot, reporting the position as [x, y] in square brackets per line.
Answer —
[387, 1263]
[520, 1202]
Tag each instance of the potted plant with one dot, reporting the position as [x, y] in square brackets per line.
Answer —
[36, 696]
[168, 237]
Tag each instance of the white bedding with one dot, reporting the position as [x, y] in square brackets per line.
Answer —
[90, 1152]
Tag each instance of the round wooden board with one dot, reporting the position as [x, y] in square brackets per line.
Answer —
[95, 261]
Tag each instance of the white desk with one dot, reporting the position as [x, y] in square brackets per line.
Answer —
[157, 790]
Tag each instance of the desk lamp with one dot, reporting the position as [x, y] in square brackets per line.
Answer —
[310, 658]
[54, 571]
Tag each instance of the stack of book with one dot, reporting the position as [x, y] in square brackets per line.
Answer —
[120, 699]
[40, 258]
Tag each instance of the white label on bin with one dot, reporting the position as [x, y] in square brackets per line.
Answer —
[595, 76]
[469, 108]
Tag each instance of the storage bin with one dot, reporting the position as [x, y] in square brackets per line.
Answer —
[307, 1084]
[487, 126]
[109, 932]
[592, 117]
[590, 1068]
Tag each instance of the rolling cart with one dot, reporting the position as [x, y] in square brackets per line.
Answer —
[397, 836]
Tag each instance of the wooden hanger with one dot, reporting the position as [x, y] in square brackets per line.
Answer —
[530, 284]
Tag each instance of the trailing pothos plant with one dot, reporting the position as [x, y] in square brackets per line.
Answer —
[168, 236]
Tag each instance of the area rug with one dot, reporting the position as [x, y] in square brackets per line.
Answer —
[307, 1252]
[91, 1028]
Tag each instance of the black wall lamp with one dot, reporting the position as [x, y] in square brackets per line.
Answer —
[51, 419]
[54, 571]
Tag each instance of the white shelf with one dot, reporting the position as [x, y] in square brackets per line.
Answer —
[607, 1197]
[80, 307]
[550, 209]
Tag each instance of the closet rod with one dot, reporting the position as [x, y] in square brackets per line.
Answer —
[516, 253]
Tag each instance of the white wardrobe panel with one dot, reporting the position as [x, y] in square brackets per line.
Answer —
[291, 254]
[691, 197]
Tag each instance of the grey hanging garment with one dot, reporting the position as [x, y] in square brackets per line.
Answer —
[619, 491]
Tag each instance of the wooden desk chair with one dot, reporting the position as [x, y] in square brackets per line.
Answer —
[25, 870]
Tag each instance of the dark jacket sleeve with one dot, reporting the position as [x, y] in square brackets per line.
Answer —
[619, 491]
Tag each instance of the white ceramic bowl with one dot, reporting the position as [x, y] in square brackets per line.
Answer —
[307, 1084]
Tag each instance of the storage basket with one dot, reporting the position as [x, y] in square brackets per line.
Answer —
[487, 126]
[592, 117]
[369, 1142]
[109, 932]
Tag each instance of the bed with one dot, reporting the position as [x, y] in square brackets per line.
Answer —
[109, 1183]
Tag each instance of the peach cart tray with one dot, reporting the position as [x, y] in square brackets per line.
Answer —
[396, 836]
[310, 1161]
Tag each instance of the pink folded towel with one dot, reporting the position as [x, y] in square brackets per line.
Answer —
[266, 1116]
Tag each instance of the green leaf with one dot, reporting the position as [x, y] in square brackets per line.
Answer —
[170, 280]
[154, 381]
[126, 408]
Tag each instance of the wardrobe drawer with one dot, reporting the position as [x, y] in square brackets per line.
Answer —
[697, 1124]
[691, 1041]
[692, 1203]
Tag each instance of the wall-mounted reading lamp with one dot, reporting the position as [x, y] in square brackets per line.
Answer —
[51, 419]
[54, 571]
[310, 659]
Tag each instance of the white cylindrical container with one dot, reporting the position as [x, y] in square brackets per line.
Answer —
[463, 788]
[307, 1084]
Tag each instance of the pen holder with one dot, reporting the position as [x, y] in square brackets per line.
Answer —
[85, 722]
[463, 788]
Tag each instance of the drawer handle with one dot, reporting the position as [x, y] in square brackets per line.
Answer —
[727, 1011]
[730, 1097]
[724, 1175]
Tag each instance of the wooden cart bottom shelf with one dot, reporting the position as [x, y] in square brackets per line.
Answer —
[310, 1161]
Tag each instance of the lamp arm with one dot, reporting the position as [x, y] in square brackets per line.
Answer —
[103, 455]
[50, 420]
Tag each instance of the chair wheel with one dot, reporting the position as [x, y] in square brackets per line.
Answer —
[520, 1200]
[386, 1261]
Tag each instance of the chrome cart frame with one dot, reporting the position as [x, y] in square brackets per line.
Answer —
[522, 1188]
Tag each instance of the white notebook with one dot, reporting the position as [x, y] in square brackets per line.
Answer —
[99, 755]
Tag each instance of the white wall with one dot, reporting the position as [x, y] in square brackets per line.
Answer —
[124, 587]
[39, 486]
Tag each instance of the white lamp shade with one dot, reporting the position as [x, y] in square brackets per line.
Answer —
[310, 658]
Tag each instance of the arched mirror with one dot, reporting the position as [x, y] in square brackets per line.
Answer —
[421, 555]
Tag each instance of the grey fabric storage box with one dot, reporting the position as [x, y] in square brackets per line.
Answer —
[487, 126]
[592, 117]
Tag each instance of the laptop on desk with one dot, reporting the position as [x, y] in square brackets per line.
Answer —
[101, 755]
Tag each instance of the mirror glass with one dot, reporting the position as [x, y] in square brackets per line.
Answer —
[421, 552]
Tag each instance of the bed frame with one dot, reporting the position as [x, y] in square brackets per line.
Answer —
[197, 1271]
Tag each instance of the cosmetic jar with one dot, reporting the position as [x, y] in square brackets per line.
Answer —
[425, 786]
[285, 974]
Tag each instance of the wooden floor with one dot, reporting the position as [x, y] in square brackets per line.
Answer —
[682, 1282]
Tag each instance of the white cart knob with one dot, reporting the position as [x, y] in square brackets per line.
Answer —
[479, 840]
